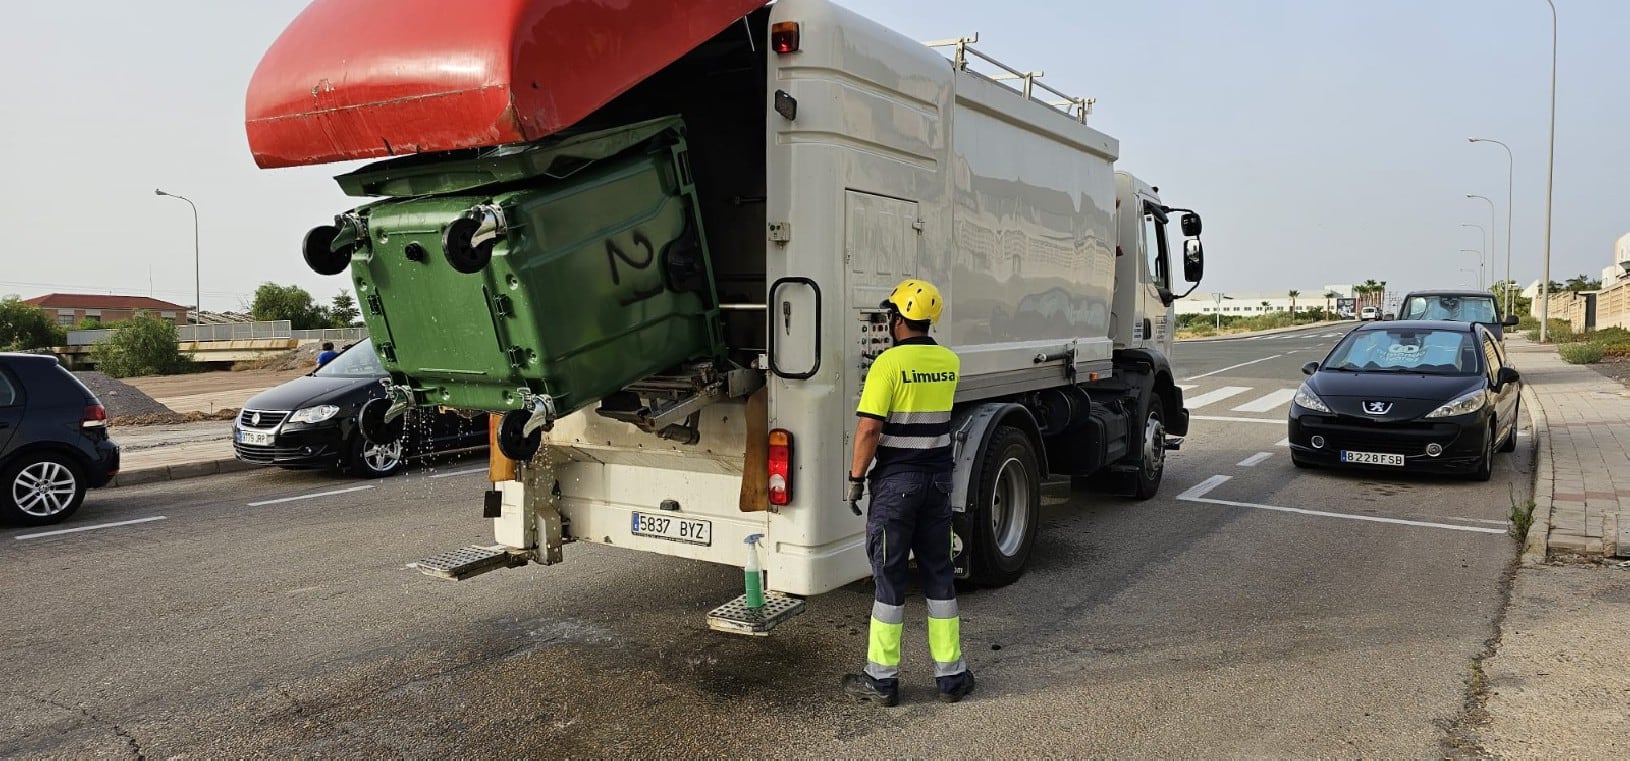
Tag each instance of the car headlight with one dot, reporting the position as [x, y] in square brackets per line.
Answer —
[1306, 399]
[1461, 405]
[314, 414]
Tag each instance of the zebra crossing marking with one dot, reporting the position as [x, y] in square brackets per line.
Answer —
[1216, 395]
[1268, 401]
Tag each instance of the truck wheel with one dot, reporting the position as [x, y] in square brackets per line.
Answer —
[1008, 511]
[1152, 458]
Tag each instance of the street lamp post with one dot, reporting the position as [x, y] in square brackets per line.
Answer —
[197, 280]
[1550, 175]
[1508, 212]
[1481, 234]
[1493, 221]
[1479, 265]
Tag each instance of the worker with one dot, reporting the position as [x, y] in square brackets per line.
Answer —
[905, 423]
[327, 354]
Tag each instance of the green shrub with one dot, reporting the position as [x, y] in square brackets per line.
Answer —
[1527, 323]
[143, 345]
[1581, 353]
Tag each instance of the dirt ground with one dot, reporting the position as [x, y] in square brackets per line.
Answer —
[210, 393]
[1617, 368]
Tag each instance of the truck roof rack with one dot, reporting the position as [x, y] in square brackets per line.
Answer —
[1074, 107]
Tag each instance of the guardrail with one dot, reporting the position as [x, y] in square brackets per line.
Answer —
[237, 331]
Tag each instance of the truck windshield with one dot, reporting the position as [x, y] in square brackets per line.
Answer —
[1455, 308]
[359, 361]
[1429, 352]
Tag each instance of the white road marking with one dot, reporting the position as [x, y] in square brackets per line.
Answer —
[311, 496]
[1331, 335]
[464, 472]
[78, 529]
[1472, 520]
[1190, 496]
[1222, 419]
[1186, 386]
[1215, 395]
[1254, 460]
[1233, 367]
[1284, 442]
[1268, 401]
[1203, 488]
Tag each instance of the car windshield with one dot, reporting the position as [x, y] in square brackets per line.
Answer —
[1402, 350]
[359, 361]
[1454, 308]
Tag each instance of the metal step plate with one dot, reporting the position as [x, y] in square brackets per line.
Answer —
[465, 562]
[735, 617]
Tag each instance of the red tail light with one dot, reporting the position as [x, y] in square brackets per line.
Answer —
[784, 37]
[780, 467]
[95, 415]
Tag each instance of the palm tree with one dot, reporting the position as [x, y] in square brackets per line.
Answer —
[1329, 302]
[1264, 306]
[1293, 293]
[1367, 288]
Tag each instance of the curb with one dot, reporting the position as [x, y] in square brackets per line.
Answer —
[1536, 547]
[178, 472]
[1275, 331]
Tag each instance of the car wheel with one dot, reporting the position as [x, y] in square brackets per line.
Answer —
[1510, 443]
[1152, 459]
[1485, 466]
[370, 460]
[41, 488]
[1008, 513]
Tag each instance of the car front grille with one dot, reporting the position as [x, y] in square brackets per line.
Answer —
[268, 418]
[1357, 434]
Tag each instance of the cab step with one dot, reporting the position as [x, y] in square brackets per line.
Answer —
[735, 617]
[465, 562]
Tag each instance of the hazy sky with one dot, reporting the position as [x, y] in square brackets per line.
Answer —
[1324, 140]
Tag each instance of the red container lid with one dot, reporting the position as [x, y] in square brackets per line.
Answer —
[358, 79]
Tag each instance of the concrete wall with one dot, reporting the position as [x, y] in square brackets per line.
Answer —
[1612, 307]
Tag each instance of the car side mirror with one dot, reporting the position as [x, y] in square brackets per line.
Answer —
[1191, 224]
[1194, 260]
[1310, 368]
[1510, 321]
[1508, 375]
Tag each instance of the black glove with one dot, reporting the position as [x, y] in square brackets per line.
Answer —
[857, 489]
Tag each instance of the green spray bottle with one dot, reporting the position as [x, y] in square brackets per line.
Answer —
[755, 576]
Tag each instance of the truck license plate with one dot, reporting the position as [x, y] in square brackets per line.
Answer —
[687, 530]
[1373, 458]
[255, 438]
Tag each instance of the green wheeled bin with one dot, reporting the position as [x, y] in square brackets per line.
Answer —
[539, 277]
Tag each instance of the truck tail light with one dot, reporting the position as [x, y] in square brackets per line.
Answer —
[784, 37]
[96, 416]
[780, 467]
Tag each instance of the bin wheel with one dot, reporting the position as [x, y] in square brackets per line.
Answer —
[511, 442]
[461, 253]
[320, 254]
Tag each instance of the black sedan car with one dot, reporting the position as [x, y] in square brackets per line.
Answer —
[53, 441]
[1408, 395]
[311, 422]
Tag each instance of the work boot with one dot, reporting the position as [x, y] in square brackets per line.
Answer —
[862, 687]
[955, 687]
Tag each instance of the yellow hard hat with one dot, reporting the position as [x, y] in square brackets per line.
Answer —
[916, 300]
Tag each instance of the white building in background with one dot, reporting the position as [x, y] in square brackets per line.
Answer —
[1619, 270]
[1251, 303]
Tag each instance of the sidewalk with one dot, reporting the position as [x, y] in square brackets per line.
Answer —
[1582, 484]
[1557, 684]
[149, 453]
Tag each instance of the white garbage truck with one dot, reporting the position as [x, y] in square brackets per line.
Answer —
[790, 163]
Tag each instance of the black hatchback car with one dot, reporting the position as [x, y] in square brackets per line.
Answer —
[54, 440]
[1408, 395]
[311, 422]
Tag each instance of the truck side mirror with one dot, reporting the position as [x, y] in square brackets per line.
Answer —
[1191, 224]
[1194, 260]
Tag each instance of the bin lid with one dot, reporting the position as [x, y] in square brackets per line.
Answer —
[357, 79]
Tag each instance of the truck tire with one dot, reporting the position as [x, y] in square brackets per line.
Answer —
[1008, 511]
[1151, 462]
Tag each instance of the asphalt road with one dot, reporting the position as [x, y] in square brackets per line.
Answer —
[1251, 609]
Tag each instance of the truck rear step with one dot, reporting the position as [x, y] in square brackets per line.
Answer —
[735, 617]
[465, 562]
